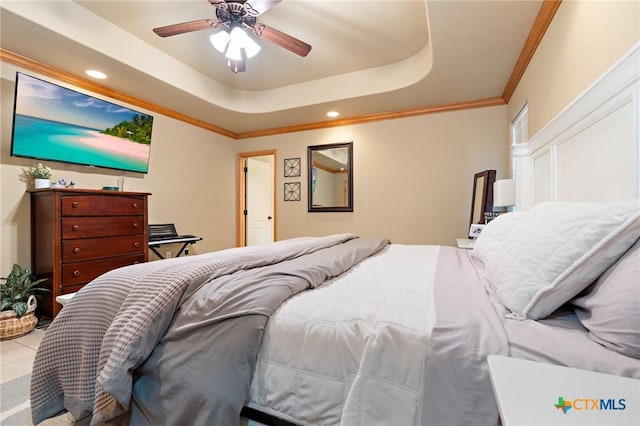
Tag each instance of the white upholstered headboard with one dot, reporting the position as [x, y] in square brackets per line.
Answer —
[591, 151]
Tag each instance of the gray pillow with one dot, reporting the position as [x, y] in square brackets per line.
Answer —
[610, 308]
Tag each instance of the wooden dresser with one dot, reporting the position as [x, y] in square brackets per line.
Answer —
[77, 235]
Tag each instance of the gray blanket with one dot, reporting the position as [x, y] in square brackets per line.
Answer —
[174, 342]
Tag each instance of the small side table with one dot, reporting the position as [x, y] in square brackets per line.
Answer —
[465, 243]
[536, 393]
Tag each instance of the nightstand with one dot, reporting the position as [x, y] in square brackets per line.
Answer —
[536, 393]
[465, 243]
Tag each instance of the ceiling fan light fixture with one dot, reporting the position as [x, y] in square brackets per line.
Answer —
[238, 39]
[220, 40]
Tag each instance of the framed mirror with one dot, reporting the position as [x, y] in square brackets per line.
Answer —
[482, 196]
[330, 177]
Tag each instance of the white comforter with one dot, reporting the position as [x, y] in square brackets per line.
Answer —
[352, 351]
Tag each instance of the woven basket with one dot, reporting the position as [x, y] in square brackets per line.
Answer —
[11, 326]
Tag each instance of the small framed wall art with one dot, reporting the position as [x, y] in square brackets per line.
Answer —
[291, 167]
[292, 191]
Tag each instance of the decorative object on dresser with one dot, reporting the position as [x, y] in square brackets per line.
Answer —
[77, 235]
[482, 195]
[40, 175]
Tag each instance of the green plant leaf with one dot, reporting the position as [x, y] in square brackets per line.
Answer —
[20, 308]
[19, 285]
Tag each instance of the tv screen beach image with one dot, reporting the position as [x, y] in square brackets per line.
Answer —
[55, 123]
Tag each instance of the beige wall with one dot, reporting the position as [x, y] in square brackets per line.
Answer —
[191, 178]
[584, 39]
[413, 177]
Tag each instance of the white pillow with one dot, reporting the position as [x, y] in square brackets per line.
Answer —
[540, 258]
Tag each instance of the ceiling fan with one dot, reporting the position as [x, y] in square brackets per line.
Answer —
[238, 16]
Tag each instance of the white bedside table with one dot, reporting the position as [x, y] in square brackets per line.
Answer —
[528, 393]
[465, 243]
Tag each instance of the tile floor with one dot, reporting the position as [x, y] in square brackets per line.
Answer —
[17, 355]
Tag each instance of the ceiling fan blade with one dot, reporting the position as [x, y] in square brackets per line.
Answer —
[185, 27]
[283, 40]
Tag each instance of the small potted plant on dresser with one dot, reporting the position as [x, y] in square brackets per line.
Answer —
[41, 175]
[18, 303]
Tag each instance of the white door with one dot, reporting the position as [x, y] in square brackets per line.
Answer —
[259, 193]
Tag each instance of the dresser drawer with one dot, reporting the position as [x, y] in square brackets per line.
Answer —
[99, 205]
[90, 227]
[83, 272]
[96, 248]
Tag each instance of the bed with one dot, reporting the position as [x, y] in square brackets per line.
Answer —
[347, 330]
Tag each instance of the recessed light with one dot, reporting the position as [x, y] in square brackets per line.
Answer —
[96, 74]
[333, 114]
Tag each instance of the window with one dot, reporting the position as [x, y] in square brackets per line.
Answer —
[519, 134]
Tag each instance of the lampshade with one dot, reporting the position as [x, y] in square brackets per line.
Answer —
[504, 193]
[220, 40]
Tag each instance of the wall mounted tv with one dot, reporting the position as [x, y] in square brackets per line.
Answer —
[51, 122]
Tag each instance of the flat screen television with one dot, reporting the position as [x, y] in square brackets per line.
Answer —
[51, 122]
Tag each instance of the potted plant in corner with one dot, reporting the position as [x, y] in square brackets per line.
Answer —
[18, 303]
[41, 175]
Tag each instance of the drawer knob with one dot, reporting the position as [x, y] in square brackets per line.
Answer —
[76, 227]
[76, 250]
[136, 225]
[136, 205]
[75, 205]
[76, 273]
[136, 244]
